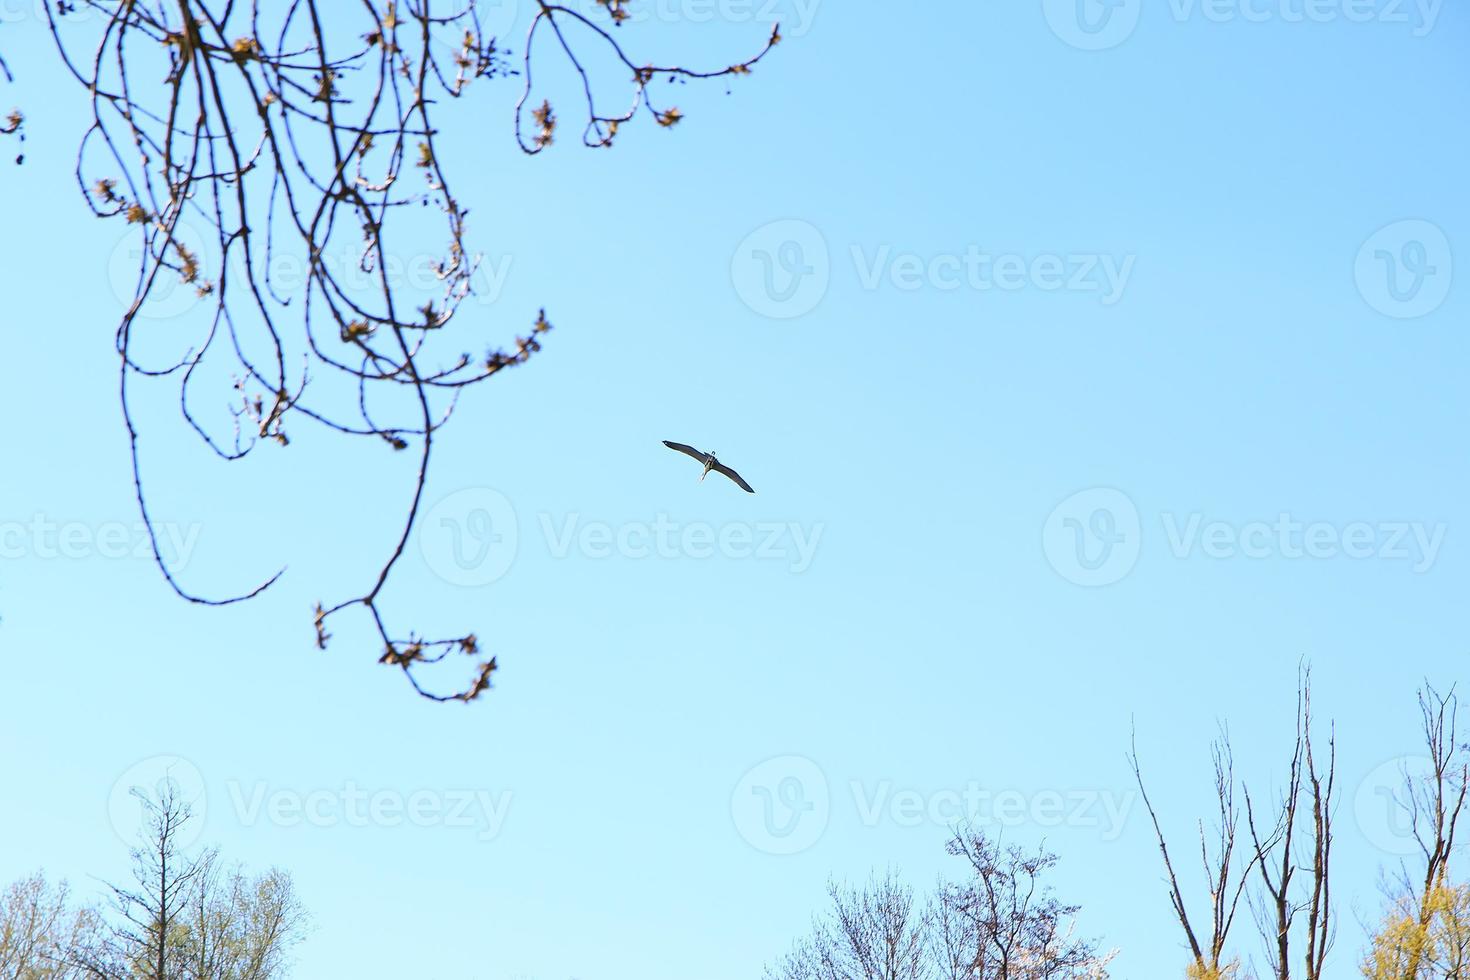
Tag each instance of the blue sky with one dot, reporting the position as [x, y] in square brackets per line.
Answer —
[957, 296]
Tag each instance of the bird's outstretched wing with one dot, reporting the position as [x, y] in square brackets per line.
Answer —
[735, 476]
[687, 450]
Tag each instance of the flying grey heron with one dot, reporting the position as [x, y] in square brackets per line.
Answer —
[710, 463]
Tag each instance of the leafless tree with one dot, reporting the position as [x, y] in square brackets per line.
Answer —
[186, 918]
[952, 938]
[228, 136]
[872, 933]
[143, 939]
[1297, 840]
[1000, 923]
[1012, 926]
[1225, 874]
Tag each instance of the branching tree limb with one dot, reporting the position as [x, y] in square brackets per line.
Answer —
[38, 930]
[1226, 880]
[1433, 802]
[1015, 927]
[230, 136]
[1278, 851]
[1001, 922]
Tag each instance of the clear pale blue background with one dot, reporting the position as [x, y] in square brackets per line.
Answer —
[929, 434]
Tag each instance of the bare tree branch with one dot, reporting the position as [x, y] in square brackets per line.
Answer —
[1277, 852]
[1220, 866]
[300, 131]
